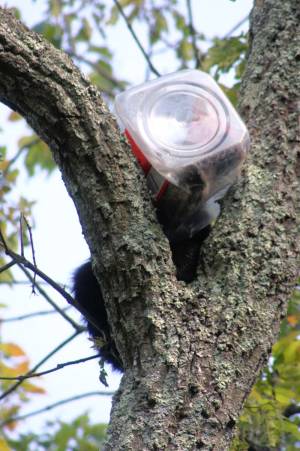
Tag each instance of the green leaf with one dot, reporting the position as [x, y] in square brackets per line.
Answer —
[134, 13]
[292, 352]
[225, 53]
[290, 427]
[185, 50]
[55, 7]
[231, 93]
[179, 20]
[39, 155]
[51, 32]
[283, 395]
[104, 51]
[3, 151]
[85, 31]
[282, 344]
[160, 20]
[159, 26]
[114, 16]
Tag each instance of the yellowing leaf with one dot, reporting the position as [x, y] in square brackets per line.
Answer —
[14, 371]
[12, 350]
[27, 141]
[32, 388]
[8, 412]
[21, 368]
[14, 116]
[293, 319]
[55, 7]
[3, 445]
[3, 164]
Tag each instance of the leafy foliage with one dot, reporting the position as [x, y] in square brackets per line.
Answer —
[38, 155]
[13, 363]
[10, 207]
[78, 435]
[270, 418]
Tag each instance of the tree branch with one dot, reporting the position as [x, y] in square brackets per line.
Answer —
[15, 158]
[23, 263]
[116, 83]
[7, 266]
[236, 27]
[13, 387]
[136, 39]
[49, 300]
[21, 260]
[193, 34]
[54, 405]
[58, 367]
[28, 226]
[31, 315]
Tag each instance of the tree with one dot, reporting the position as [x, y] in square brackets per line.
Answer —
[190, 353]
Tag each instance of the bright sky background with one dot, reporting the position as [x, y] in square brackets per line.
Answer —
[58, 240]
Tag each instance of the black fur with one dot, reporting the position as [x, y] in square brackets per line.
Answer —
[88, 294]
[185, 253]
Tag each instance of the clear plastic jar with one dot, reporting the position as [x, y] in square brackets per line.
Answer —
[190, 142]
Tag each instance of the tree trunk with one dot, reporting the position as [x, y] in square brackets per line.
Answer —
[191, 353]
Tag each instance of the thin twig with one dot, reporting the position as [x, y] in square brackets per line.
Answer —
[18, 154]
[32, 250]
[236, 27]
[56, 404]
[23, 261]
[40, 363]
[21, 234]
[134, 35]
[98, 69]
[58, 367]
[27, 264]
[193, 34]
[49, 300]
[31, 315]
[2, 239]
[148, 71]
[6, 267]
[18, 282]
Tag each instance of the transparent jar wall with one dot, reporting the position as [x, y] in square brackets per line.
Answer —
[182, 120]
[192, 136]
[213, 174]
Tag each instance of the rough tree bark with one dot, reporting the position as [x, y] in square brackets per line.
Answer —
[191, 352]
